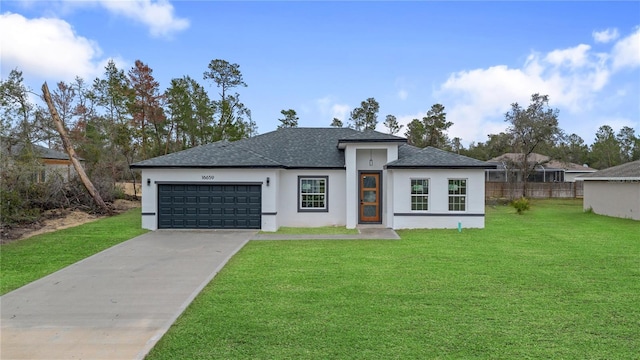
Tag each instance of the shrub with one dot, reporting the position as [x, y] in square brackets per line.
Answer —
[13, 208]
[521, 205]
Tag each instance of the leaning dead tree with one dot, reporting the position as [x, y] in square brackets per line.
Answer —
[72, 154]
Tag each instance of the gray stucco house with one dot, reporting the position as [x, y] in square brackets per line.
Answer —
[614, 191]
[306, 177]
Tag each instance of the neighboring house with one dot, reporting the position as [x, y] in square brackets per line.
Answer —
[614, 191]
[545, 169]
[307, 177]
[54, 163]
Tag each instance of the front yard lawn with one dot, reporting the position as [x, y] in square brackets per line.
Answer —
[24, 261]
[553, 283]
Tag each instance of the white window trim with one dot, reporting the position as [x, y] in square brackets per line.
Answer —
[466, 195]
[428, 195]
[326, 193]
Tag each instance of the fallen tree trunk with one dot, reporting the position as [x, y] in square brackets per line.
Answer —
[72, 154]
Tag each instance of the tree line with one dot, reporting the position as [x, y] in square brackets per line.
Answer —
[531, 129]
[116, 119]
[122, 117]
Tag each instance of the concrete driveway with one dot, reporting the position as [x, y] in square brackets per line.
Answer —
[118, 303]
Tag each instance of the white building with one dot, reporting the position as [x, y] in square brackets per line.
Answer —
[307, 177]
[614, 191]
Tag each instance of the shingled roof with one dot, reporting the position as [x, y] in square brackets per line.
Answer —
[301, 148]
[430, 157]
[39, 151]
[628, 171]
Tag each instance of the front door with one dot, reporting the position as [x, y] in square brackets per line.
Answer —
[370, 198]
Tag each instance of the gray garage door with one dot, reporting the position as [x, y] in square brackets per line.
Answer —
[201, 206]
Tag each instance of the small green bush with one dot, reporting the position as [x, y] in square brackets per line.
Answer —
[521, 205]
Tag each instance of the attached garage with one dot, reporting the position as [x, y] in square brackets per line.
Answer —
[209, 206]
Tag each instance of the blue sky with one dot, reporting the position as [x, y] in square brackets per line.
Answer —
[323, 58]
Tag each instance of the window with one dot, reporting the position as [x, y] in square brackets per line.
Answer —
[420, 194]
[457, 194]
[312, 193]
[39, 176]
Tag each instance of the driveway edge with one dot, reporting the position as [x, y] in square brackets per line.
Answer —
[160, 333]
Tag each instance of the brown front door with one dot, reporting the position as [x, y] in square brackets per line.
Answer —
[370, 198]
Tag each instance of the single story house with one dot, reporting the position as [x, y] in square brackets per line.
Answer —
[53, 162]
[544, 169]
[308, 177]
[614, 191]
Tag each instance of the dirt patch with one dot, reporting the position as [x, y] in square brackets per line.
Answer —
[58, 219]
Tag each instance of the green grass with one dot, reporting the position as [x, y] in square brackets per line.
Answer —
[24, 261]
[322, 230]
[553, 283]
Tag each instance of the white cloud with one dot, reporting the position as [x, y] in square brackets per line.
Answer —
[573, 78]
[48, 48]
[340, 111]
[403, 94]
[572, 57]
[605, 36]
[157, 15]
[626, 52]
[329, 107]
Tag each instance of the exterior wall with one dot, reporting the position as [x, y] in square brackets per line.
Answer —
[438, 215]
[287, 200]
[54, 167]
[58, 169]
[611, 198]
[280, 196]
[210, 176]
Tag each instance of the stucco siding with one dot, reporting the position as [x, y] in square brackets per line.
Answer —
[438, 214]
[288, 214]
[612, 198]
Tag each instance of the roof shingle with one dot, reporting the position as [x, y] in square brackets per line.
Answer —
[301, 148]
[430, 157]
[628, 170]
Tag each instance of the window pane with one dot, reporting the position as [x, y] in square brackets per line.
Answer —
[369, 196]
[312, 193]
[457, 192]
[419, 203]
[369, 182]
[419, 186]
[419, 192]
[369, 210]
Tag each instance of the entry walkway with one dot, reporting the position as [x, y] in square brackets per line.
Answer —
[115, 304]
[364, 233]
